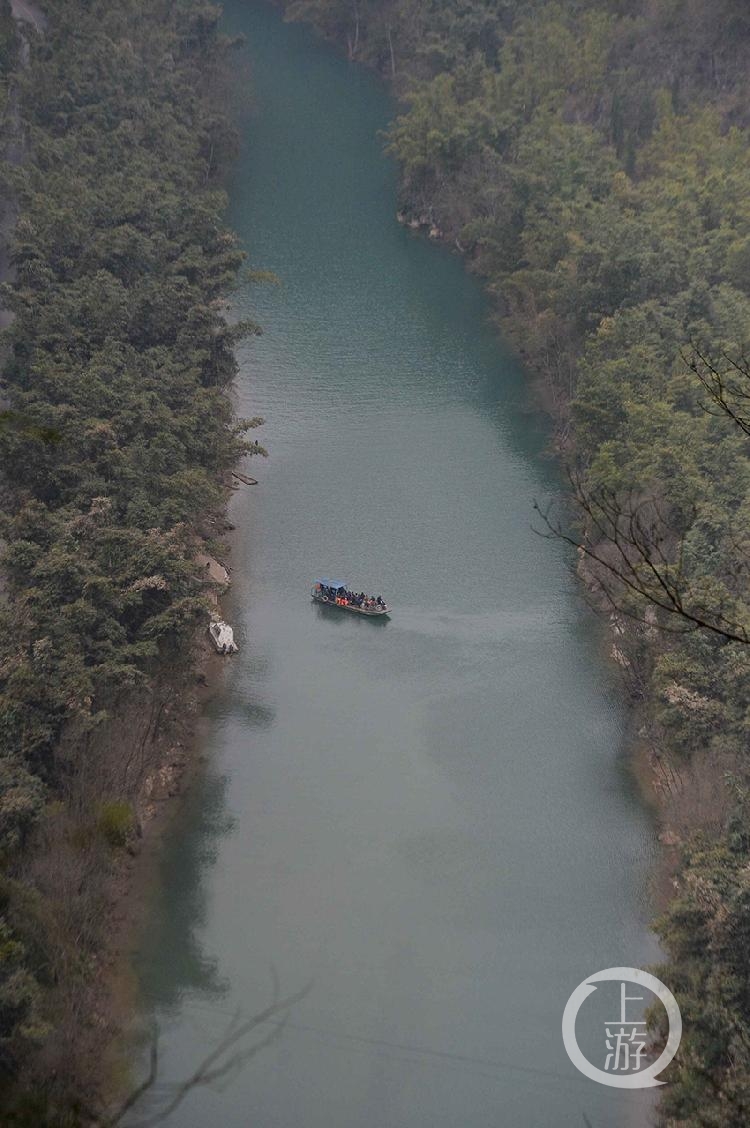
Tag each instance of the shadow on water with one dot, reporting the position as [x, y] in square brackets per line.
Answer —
[335, 615]
[255, 714]
[174, 963]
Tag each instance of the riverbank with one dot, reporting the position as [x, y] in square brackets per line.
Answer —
[116, 449]
[114, 1004]
[113, 1031]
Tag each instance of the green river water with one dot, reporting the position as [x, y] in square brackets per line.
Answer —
[429, 820]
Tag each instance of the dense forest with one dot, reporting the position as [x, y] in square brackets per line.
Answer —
[591, 159]
[115, 439]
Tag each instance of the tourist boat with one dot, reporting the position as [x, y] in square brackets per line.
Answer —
[222, 636]
[336, 598]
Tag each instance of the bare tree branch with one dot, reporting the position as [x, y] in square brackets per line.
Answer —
[634, 551]
[220, 1064]
[728, 387]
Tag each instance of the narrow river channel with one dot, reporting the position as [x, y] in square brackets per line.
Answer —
[429, 820]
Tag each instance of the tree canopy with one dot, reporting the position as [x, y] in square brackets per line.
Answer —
[116, 441]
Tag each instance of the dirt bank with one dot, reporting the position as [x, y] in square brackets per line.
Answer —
[132, 885]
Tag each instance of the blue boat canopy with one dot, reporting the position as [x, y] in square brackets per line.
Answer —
[335, 584]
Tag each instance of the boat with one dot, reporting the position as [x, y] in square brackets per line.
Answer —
[222, 636]
[333, 594]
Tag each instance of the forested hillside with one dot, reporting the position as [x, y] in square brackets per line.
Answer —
[115, 438]
[591, 159]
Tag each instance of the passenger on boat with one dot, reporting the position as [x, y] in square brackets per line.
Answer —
[344, 598]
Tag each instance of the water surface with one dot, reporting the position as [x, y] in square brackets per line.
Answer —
[429, 819]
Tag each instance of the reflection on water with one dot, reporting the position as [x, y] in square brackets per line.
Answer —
[181, 905]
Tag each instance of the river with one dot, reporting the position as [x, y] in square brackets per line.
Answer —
[429, 820]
